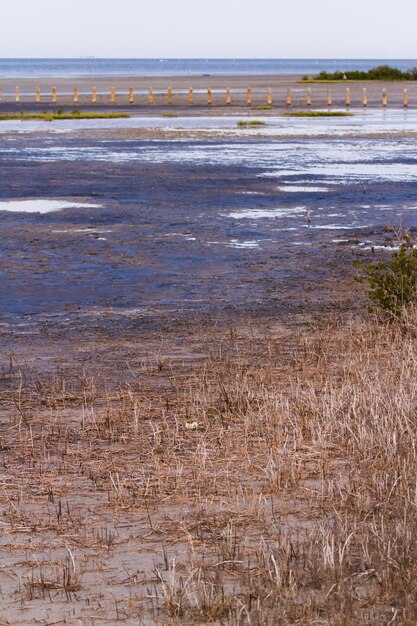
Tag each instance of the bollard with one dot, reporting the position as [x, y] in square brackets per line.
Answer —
[112, 95]
[131, 99]
[53, 94]
[169, 95]
[209, 96]
[94, 95]
[190, 95]
[405, 98]
[289, 97]
[249, 96]
[347, 97]
[38, 95]
[269, 97]
[329, 97]
[17, 94]
[150, 96]
[228, 96]
[75, 98]
[309, 97]
[384, 98]
[364, 98]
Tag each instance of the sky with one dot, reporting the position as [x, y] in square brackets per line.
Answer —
[211, 28]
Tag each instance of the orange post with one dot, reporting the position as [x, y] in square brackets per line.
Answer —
[269, 97]
[53, 94]
[249, 96]
[17, 94]
[38, 95]
[190, 95]
[329, 97]
[405, 98]
[209, 96]
[94, 95]
[384, 98]
[228, 96]
[289, 97]
[131, 99]
[347, 97]
[364, 98]
[150, 96]
[169, 95]
[75, 97]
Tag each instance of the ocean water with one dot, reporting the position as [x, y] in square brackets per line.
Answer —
[10, 68]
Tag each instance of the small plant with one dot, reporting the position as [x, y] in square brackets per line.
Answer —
[262, 107]
[392, 284]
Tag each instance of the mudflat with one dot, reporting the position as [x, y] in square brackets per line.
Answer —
[200, 423]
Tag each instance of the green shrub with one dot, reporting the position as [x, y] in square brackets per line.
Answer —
[392, 284]
[381, 72]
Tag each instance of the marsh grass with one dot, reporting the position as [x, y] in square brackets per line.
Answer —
[292, 501]
[317, 114]
[250, 123]
[50, 117]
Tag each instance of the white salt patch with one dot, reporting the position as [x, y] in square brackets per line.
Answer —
[268, 213]
[335, 227]
[234, 243]
[42, 206]
[92, 231]
[297, 189]
[251, 193]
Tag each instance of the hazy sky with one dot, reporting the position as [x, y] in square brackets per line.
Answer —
[209, 28]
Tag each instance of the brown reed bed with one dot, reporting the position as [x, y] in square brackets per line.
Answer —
[271, 482]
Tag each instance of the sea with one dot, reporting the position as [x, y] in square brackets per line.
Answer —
[11, 68]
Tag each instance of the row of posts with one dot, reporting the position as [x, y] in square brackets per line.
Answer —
[309, 100]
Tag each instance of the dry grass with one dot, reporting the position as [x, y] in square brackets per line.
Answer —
[275, 482]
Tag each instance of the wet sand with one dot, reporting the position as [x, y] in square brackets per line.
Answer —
[180, 85]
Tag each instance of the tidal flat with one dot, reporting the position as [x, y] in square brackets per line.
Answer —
[199, 421]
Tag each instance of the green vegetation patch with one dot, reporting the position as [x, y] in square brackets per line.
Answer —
[392, 284]
[50, 117]
[262, 107]
[318, 114]
[250, 123]
[169, 115]
[382, 72]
